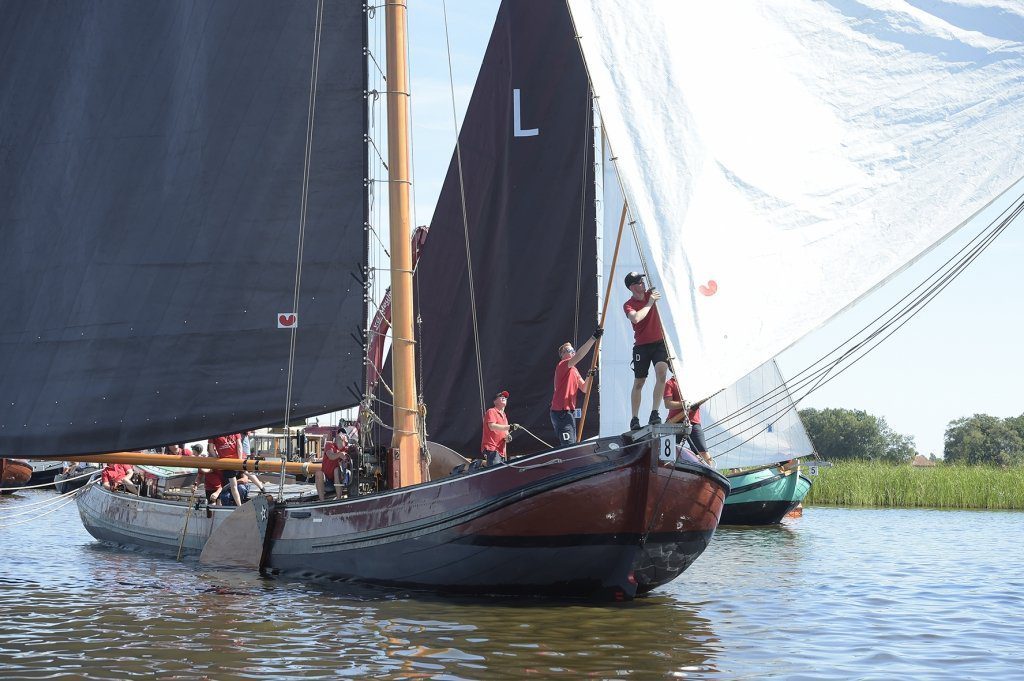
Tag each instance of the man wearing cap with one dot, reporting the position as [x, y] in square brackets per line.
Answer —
[648, 345]
[496, 430]
[568, 383]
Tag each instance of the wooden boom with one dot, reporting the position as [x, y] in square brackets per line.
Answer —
[170, 461]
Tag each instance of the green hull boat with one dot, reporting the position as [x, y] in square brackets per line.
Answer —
[763, 497]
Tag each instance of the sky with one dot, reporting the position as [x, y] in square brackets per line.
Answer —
[958, 357]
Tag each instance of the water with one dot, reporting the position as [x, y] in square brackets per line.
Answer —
[839, 593]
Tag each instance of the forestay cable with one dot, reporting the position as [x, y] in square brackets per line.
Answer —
[303, 207]
[465, 219]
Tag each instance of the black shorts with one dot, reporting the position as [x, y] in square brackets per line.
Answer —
[697, 438]
[227, 475]
[564, 424]
[647, 354]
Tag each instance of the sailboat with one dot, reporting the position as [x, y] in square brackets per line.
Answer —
[609, 518]
[753, 430]
[209, 147]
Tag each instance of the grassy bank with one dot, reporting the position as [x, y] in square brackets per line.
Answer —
[857, 483]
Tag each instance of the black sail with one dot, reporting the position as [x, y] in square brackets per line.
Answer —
[151, 170]
[530, 209]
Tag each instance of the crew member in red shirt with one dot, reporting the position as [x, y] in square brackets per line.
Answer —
[335, 466]
[674, 403]
[118, 474]
[497, 430]
[228, 447]
[648, 345]
[213, 483]
[568, 382]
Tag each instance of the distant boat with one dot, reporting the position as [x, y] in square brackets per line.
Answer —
[753, 431]
[764, 497]
[76, 477]
[45, 471]
[14, 473]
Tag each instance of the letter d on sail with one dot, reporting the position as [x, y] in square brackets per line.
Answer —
[517, 128]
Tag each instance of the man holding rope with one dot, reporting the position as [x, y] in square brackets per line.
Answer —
[648, 345]
[568, 382]
[497, 431]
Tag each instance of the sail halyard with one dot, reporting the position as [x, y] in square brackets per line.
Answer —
[406, 439]
[828, 163]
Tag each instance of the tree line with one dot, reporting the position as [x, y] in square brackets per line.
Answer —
[855, 434]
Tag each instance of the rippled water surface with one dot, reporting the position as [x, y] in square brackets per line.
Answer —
[839, 593]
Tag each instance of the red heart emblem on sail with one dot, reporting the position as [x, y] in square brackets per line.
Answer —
[286, 319]
[710, 289]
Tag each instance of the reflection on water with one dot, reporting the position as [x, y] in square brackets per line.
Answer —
[838, 593]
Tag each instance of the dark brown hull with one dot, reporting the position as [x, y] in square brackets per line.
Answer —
[14, 473]
[603, 519]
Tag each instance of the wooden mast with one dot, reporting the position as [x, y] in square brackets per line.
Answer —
[403, 345]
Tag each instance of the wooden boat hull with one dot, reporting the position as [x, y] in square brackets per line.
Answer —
[151, 524]
[14, 473]
[763, 497]
[604, 519]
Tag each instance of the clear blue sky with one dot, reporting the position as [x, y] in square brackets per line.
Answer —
[958, 357]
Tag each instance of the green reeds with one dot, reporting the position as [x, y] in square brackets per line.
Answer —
[866, 483]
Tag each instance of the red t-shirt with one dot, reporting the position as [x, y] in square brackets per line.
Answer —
[672, 393]
[567, 383]
[648, 329]
[227, 446]
[115, 472]
[329, 465]
[494, 440]
[213, 480]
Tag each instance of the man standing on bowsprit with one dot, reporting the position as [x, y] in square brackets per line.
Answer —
[648, 345]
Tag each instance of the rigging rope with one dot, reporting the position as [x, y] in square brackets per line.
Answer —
[51, 484]
[369, 431]
[527, 431]
[65, 499]
[888, 322]
[465, 219]
[304, 205]
[583, 212]
[32, 506]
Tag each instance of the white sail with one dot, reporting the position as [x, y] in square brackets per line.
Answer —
[782, 159]
[754, 422]
[617, 342]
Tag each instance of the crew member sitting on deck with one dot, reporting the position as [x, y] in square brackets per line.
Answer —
[497, 431]
[118, 475]
[335, 469]
[675, 404]
[250, 479]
